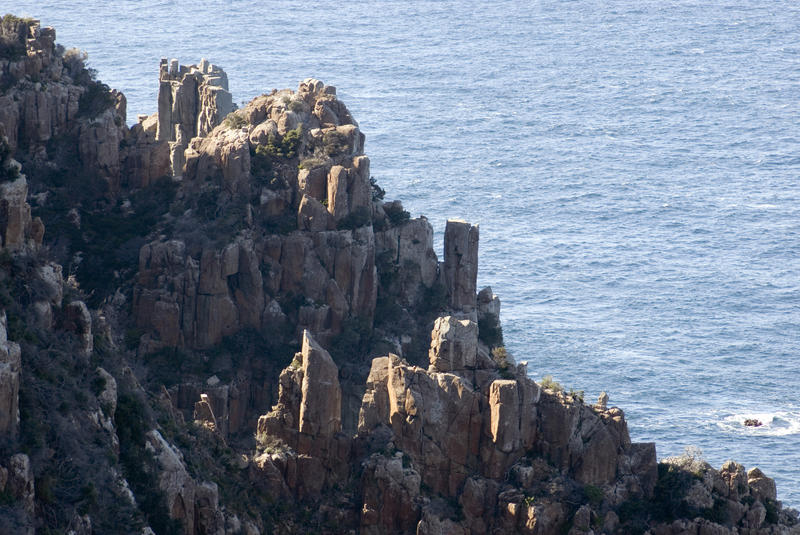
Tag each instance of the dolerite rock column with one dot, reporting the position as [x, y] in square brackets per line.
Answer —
[192, 100]
[461, 264]
[10, 364]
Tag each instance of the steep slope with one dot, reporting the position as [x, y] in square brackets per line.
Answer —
[207, 264]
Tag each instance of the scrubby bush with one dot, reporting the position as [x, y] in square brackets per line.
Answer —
[397, 216]
[357, 218]
[548, 383]
[593, 494]
[139, 466]
[377, 192]
[234, 121]
[281, 147]
[260, 163]
[334, 143]
[503, 360]
[75, 64]
[12, 37]
[433, 299]
[291, 142]
[95, 100]
[489, 330]
[353, 342]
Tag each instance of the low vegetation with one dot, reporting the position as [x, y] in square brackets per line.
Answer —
[13, 32]
[548, 383]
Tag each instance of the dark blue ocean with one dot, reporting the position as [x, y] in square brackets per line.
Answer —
[634, 167]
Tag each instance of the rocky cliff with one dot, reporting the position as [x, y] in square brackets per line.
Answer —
[227, 329]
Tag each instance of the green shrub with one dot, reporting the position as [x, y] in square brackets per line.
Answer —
[296, 106]
[132, 337]
[12, 45]
[633, 515]
[138, 464]
[489, 330]
[207, 208]
[593, 494]
[503, 360]
[576, 394]
[95, 100]
[548, 383]
[280, 224]
[433, 299]
[261, 163]
[378, 193]
[234, 121]
[278, 147]
[671, 487]
[359, 217]
[334, 143]
[501, 357]
[396, 214]
[291, 142]
[387, 310]
[772, 511]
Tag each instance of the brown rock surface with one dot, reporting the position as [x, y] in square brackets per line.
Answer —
[10, 368]
[17, 231]
[391, 494]
[454, 344]
[321, 401]
[461, 264]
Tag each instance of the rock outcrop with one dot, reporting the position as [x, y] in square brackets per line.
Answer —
[145, 159]
[192, 100]
[303, 429]
[458, 429]
[193, 296]
[32, 113]
[195, 505]
[10, 364]
[461, 264]
[18, 231]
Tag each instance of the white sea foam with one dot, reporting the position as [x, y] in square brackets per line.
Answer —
[779, 423]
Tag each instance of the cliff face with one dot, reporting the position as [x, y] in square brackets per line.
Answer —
[147, 334]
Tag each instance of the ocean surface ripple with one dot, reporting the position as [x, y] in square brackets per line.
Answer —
[634, 168]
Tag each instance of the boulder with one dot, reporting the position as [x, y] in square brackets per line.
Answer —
[761, 487]
[454, 344]
[313, 216]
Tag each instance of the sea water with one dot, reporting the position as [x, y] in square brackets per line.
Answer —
[634, 167]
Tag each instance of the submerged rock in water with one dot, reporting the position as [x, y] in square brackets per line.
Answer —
[752, 422]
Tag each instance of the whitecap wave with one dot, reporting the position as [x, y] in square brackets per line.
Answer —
[780, 423]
